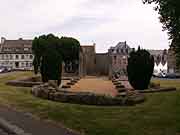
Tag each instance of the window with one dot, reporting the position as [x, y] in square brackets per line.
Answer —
[22, 64]
[117, 50]
[115, 59]
[31, 57]
[26, 49]
[3, 57]
[11, 57]
[30, 64]
[17, 56]
[7, 56]
[125, 61]
[27, 64]
[127, 51]
[122, 51]
[22, 56]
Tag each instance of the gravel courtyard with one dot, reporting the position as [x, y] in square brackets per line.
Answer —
[96, 85]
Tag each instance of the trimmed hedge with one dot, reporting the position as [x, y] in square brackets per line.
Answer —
[140, 69]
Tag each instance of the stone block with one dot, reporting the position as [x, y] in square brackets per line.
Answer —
[66, 86]
[122, 89]
[120, 86]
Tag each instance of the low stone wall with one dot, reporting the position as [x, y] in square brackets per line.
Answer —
[32, 81]
[161, 89]
[48, 92]
[21, 83]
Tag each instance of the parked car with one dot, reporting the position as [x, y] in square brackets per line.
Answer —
[3, 69]
[172, 75]
[160, 75]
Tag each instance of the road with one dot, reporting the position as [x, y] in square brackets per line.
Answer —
[2, 132]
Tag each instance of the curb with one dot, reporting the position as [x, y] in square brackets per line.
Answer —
[11, 129]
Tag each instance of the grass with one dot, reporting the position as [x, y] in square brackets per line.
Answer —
[157, 116]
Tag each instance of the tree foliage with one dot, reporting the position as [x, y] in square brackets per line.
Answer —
[50, 51]
[71, 48]
[169, 11]
[140, 69]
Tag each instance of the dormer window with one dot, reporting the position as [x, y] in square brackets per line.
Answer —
[26, 49]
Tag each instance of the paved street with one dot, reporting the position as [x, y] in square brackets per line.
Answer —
[24, 124]
[2, 132]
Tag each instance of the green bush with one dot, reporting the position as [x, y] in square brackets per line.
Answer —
[140, 69]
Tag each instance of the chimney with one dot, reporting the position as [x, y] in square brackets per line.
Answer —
[3, 40]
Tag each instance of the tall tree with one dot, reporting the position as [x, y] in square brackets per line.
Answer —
[71, 48]
[49, 53]
[169, 11]
[48, 58]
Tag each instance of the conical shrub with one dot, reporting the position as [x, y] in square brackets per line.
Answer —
[140, 69]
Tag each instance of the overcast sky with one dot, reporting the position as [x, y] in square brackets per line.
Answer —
[104, 22]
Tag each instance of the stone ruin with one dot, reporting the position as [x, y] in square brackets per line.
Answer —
[51, 92]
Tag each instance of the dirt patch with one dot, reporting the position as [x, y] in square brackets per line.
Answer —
[95, 85]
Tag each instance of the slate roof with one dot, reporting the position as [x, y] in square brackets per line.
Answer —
[120, 46]
[16, 46]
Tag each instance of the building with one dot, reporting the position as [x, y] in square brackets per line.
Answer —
[160, 56]
[92, 63]
[118, 56]
[16, 54]
[172, 68]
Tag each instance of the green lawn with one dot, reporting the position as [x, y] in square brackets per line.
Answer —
[159, 115]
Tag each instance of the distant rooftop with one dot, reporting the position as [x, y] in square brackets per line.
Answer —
[16, 46]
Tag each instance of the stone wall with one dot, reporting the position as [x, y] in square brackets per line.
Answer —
[89, 59]
[102, 64]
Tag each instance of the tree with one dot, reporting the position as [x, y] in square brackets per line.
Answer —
[71, 48]
[169, 12]
[48, 57]
[49, 53]
[140, 69]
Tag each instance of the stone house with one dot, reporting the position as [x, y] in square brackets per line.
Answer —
[118, 56]
[16, 54]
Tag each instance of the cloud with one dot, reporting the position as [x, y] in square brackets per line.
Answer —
[105, 22]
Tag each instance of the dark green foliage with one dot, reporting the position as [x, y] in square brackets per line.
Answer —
[50, 52]
[169, 11]
[71, 48]
[140, 69]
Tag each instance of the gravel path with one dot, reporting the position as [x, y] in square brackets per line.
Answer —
[95, 85]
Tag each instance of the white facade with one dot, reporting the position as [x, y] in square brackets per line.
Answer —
[16, 54]
[17, 61]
